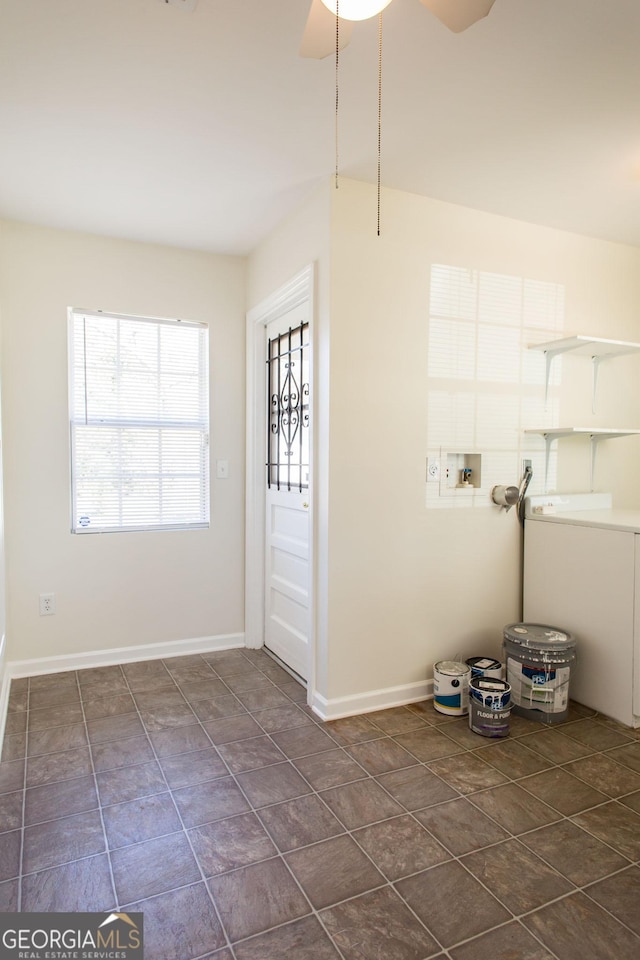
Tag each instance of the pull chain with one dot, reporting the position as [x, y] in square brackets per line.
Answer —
[337, 65]
[379, 108]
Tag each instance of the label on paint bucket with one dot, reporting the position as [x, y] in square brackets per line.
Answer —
[451, 687]
[497, 725]
[489, 706]
[538, 686]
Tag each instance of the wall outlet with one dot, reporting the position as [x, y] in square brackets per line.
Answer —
[47, 604]
[433, 470]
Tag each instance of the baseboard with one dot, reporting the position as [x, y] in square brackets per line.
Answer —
[5, 683]
[370, 701]
[104, 658]
[326, 709]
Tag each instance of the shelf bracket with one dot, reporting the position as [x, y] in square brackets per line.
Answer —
[594, 449]
[595, 361]
[597, 348]
[595, 434]
[548, 440]
[548, 357]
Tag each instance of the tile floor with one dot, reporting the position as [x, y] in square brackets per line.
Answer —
[202, 791]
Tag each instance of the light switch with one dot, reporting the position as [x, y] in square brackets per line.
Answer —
[222, 469]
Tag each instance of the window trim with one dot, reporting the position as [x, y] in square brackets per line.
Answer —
[74, 313]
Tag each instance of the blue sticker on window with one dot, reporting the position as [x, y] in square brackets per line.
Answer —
[84, 521]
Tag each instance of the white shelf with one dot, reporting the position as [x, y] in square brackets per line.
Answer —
[595, 434]
[597, 348]
[587, 346]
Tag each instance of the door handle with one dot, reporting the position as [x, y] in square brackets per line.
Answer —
[305, 505]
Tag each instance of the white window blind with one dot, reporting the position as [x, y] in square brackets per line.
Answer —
[139, 405]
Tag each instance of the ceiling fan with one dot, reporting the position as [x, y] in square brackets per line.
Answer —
[319, 38]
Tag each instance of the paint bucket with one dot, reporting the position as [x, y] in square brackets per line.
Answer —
[539, 659]
[485, 667]
[451, 687]
[489, 706]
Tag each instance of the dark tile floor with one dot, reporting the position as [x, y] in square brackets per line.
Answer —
[202, 791]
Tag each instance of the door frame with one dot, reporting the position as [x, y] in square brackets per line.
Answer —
[299, 290]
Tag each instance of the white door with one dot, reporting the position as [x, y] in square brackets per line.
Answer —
[287, 478]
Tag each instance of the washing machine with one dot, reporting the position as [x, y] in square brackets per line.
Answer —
[582, 574]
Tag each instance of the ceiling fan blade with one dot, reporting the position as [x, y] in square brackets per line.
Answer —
[458, 14]
[319, 37]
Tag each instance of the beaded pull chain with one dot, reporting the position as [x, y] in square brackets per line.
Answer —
[379, 109]
[337, 86]
[379, 100]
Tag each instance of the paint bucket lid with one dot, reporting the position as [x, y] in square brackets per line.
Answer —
[483, 663]
[452, 668]
[538, 636]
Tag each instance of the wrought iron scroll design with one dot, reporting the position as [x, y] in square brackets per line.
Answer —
[288, 410]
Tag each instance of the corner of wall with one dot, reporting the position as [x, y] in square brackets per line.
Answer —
[373, 700]
[5, 683]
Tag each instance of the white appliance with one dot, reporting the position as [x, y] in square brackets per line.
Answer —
[582, 574]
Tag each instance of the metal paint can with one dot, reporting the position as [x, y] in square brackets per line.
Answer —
[451, 687]
[489, 706]
[485, 667]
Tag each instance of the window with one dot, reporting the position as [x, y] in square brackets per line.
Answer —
[139, 410]
[288, 415]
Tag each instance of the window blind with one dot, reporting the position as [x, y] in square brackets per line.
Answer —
[139, 412]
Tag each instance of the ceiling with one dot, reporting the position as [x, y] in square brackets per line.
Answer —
[137, 119]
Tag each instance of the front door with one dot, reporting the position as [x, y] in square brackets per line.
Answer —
[287, 478]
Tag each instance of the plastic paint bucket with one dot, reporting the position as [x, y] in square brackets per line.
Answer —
[489, 706]
[539, 659]
[451, 687]
[485, 667]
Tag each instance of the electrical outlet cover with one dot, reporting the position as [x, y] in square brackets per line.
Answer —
[47, 604]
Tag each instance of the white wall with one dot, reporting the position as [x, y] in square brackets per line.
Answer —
[403, 577]
[4, 687]
[410, 580]
[406, 576]
[123, 589]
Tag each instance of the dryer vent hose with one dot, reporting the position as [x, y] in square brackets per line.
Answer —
[522, 492]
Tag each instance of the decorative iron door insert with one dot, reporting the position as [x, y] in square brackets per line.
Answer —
[288, 410]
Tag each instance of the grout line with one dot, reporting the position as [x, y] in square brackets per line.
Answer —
[24, 800]
[347, 831]
[478, 937]
[185, 832]
[278, 853]
[339, 743]
[95, 784]
[585, 890]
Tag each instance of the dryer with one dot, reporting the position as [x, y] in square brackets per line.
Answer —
[582, 574]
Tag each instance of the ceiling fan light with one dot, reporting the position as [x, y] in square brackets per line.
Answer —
[356, 9]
